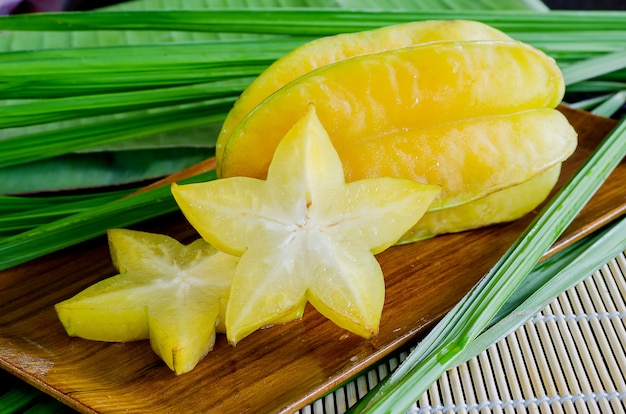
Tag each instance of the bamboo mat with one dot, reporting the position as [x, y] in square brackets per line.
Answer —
[571, 358]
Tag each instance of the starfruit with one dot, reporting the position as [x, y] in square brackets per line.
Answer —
[304, 234]
[173, 294]
[331, 49]
[476, 117]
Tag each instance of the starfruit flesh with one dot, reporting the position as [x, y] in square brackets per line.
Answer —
[304, 234]
[331, 49]
[173, 294]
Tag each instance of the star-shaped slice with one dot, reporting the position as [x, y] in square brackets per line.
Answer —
[173, 294]
[304, 234]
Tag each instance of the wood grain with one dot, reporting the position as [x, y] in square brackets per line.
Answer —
[279, 369]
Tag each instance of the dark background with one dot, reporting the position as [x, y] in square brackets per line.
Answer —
[586, 4]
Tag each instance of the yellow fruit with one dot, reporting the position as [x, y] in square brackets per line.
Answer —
[168, 292]
[401, 89]
[327, 50]
[304, 234]
[473, 117]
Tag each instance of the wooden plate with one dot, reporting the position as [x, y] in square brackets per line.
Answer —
[279, 369]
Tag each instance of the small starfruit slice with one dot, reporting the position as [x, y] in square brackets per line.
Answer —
[304, 234]
[171, 293]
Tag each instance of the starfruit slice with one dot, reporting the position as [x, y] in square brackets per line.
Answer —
[173, 294]
[304, 234]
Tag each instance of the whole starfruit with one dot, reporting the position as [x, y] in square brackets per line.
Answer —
[476, 117]
[327, 50]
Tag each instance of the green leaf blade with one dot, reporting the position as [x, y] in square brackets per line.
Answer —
[48, 144]
[307, 21]
[88, 224]
[556, 274]
[62, 109]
